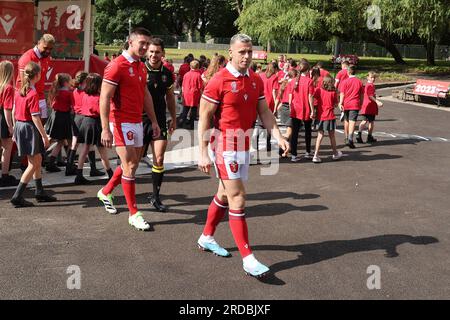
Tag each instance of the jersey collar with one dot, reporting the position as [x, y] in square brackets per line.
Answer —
[234, 72]
[128, 56]
[149, 67]
[36, 51]
[352, 76]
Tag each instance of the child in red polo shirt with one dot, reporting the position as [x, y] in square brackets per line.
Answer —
[6, 121]
[369, 108]
[342, 75]
[192, 92]
[59, 126]
[90, 128]
[30, 136]
[351, 96]
[302, 110]
[326, 98]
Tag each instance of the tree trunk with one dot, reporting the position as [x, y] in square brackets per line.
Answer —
[430, 52]
[386, 42]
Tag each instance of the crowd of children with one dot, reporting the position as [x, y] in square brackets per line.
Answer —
[74, 120]
[305, 96]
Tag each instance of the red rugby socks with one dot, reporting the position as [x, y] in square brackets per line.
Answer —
[239, 229]
[216, 211]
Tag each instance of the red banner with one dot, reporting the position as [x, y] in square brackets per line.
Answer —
[431, 88]
[62, 66]
[97, 65]
[16, 27]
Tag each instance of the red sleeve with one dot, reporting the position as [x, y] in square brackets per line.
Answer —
[8, 103]
[112, 74]
[213, 90]
[34, 104]
[23, 61]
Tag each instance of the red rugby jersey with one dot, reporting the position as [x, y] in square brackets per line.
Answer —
[237, 97]
[27, 106]
[130, 78]
[33, 55]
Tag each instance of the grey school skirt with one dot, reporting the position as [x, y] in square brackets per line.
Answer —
[76, 125]
[28, 139]
[90, 131]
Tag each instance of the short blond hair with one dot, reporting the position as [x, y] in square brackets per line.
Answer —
[194, 64]
[47, 38]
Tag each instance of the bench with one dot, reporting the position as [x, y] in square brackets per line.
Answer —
[260, 55]
[429, 88]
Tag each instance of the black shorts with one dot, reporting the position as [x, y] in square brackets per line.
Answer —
[369, 117]
[59, 125]
[4, 132]
[148, 130]
[327, 125]
[351, 115]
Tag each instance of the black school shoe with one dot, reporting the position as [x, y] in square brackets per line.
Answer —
[96, 173]
[52, 168]
[80, 180]
[43, 197]
[351, 145]
[9, 181]
[21, 203]
[371, 139]
[359, 138]
[157, 204]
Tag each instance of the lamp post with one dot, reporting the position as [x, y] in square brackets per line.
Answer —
[129, 26]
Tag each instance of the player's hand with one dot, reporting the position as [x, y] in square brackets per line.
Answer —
[313, 114]
[172, 126]
[156, 130]
[46, 142]
[106, 138]
[284, 144]
[341, 107]
[204, 163]
[380, 104]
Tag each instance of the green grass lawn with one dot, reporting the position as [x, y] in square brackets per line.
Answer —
[388, 69]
